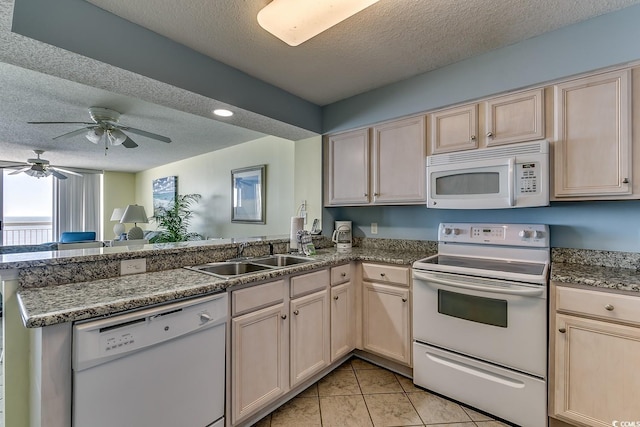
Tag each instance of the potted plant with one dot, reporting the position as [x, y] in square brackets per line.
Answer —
[174, 220]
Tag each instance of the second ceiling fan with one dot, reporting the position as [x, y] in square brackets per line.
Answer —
[105, 129]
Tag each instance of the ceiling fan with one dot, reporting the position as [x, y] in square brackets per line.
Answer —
[105, 129]
[40, 168]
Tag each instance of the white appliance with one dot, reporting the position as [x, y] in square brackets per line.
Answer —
[480, 319]
[342, 236]
[511, 176]
[162, 366]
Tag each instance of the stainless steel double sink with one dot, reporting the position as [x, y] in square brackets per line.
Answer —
[229, 269]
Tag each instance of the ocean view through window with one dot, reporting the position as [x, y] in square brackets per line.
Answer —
[26, 209]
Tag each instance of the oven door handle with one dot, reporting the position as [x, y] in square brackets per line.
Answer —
[497, 290]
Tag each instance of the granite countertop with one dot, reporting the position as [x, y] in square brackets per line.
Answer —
[50, 305]
[623, 279]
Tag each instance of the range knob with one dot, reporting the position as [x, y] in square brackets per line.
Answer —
[456, 231]
[538, 234]
[524, 234]
[447, 231]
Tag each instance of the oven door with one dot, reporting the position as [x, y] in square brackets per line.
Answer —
[495, 320]
[485, 184]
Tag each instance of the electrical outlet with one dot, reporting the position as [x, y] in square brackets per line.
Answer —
[374, 228]
[132, 266]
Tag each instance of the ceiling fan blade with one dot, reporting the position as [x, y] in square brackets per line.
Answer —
[57, 174]
[145, 133]
[26, 168]
[60, 123]
[65, 171]
[73, 133]
[129, 143]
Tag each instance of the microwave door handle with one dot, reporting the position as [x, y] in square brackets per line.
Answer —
[523, 292]
[511, 181]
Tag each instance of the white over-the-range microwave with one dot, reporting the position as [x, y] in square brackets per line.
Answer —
[509, 176]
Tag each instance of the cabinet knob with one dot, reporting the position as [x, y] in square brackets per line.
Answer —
[562, 330]
[283, 316]
[343, 274]
[473, 137]
[404, 300]
[336, 298]
[625, 181]
[296, 312]
[375, 194]
[489, 134]
[382, 274]
[609, 307]
[366, 194]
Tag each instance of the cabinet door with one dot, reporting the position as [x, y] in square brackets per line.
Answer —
[342, 320]
[593, 136]
[515, 118]
[310, 328]
[259, 359]
[386, 321]
[399, 157]
[596, 375]
[454, 129]
[348, 168]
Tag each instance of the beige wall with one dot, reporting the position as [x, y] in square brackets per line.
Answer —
[308, 177]
[118, 191]
[210, 175]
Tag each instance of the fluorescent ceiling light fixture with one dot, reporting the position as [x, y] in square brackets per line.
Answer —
[222, 112]
[296, 21]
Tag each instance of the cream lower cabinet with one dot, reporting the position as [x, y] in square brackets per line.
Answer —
[310, 341]
[386, 312]
[342, 320]
[597, 380]
[259, 364]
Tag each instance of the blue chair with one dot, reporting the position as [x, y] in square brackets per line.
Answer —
[77, 236]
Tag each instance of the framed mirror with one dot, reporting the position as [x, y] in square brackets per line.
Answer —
[248, 198]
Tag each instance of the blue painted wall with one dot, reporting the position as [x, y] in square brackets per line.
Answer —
[611, 225]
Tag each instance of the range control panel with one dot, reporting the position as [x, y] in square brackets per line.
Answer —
[533, 235]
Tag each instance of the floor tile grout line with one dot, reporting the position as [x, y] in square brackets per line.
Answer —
[362, 394]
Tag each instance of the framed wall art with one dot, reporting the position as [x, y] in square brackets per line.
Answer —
[165, 191]
[248, 198]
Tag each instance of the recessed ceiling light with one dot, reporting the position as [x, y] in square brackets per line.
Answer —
[222, 112]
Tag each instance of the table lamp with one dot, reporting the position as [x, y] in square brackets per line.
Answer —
[134, 214]
[118, 229]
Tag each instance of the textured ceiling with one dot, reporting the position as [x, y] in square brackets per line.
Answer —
[387, 42]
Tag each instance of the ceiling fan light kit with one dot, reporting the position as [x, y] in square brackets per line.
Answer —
[105, 129]
[296, 21]
[40, 168]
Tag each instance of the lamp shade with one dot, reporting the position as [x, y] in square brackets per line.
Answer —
[135, 214]
[117, 214]
[296, 21]
[95, 134]
[117, 137]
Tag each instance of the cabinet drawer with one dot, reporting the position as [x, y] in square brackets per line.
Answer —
[386, 273]
[255, 297]
[340, 274]
[616, 307]
[307, 283]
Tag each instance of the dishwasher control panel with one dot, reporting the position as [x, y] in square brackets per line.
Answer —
[96, 340]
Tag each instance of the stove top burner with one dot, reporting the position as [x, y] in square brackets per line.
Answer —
[507, 266]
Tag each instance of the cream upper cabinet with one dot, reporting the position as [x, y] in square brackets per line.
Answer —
[347, 168]
[342, 320]
[454, 129]
[592, 149]
[399, 162]
[259, 359]
[596, 337]
[310, 329]
[514, 118]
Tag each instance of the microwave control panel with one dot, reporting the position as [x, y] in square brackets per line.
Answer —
[527, 178]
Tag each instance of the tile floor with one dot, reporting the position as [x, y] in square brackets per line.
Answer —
[359, 393]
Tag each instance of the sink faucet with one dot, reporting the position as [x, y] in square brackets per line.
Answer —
[241, 247]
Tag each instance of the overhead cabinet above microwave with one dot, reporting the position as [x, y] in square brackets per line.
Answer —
[508, 119]
[382, 165]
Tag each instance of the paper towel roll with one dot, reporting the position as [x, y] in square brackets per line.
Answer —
[297, 224]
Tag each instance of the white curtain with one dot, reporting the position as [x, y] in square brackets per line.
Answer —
[77, 204]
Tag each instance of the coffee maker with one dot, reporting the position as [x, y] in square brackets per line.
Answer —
[342, 236]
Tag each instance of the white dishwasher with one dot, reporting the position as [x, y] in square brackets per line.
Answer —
[157, 367]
